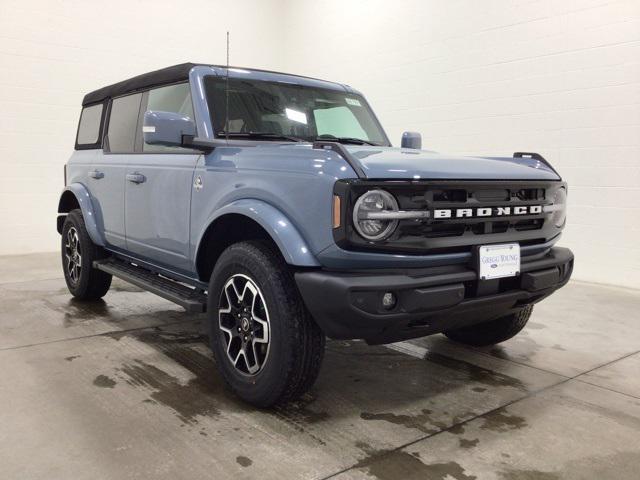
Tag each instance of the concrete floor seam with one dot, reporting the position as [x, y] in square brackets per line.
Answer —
[2, 284]
[104, 334]
[574, 377]
[408, 351]
[521, 364]
[611, 362]
[607, 389]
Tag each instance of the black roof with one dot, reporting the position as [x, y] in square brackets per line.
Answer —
[146, 80]
[173, 74]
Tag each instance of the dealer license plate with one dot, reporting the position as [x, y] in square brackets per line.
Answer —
[499, 261]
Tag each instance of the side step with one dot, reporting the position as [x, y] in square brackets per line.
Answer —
[192, 300]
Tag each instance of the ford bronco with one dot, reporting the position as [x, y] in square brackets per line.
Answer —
[276, 204]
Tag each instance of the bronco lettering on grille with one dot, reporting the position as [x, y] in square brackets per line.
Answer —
[487, 211]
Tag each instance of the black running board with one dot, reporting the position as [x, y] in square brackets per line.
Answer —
[192, 300]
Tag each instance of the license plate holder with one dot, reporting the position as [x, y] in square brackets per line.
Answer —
[498, 261]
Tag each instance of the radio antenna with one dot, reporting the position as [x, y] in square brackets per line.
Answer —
[226, 94]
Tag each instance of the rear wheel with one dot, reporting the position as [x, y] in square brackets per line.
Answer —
[492, 332]
[267, 346]
[78, 253]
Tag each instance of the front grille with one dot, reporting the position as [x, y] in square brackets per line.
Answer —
[438, 230]
[457, 234]
[473, 196]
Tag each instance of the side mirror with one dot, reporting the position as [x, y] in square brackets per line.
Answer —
[411, 140]
[167, 128]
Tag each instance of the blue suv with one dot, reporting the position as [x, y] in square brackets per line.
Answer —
[277, 204]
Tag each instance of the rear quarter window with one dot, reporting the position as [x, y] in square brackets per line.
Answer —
[89, 127]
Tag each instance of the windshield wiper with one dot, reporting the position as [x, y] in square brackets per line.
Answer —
[356, 141]
[265, 135]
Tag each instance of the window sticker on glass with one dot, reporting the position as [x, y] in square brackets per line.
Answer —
[295, 115]
[353, 101]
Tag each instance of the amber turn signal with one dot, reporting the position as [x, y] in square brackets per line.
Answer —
[336, 211]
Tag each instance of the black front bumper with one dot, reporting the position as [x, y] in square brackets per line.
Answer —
[433, 300]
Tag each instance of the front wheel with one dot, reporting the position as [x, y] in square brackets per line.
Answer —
[78, 253]
[492, 332]
[267, 346]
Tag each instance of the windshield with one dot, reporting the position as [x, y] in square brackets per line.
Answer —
[281, 111]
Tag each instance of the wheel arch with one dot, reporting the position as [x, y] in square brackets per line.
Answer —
[250, 220]
[76, 196]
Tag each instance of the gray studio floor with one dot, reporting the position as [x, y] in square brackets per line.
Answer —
[126, 388]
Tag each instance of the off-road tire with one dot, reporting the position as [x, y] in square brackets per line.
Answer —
[492, 332]
[296, 345]
[91, 284]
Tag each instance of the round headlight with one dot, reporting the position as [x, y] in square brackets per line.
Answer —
[364, 215]
[560, 213]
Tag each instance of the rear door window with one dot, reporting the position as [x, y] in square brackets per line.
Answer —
[89, 127]
[123, 119]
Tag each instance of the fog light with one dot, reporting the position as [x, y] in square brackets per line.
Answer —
[388, 300]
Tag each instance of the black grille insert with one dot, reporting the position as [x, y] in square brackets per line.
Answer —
[450, 195]
[456, 231]
[491, 195]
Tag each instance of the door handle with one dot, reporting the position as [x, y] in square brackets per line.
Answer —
[136, 177]
[96, 174]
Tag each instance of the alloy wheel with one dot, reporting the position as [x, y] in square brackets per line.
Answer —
[244, 320]
[73, 255]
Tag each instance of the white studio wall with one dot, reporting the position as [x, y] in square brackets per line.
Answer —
[495, 77]
[53, 52]
[488, 78]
